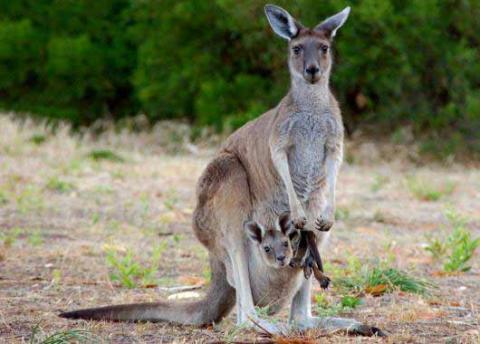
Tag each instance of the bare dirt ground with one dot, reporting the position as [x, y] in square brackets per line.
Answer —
[64, 211]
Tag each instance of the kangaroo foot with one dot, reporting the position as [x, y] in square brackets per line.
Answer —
[349, 326]
[264, 326]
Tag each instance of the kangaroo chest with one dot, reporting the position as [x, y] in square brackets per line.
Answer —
[312, 137]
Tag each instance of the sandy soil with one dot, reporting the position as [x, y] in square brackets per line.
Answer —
[61, 212]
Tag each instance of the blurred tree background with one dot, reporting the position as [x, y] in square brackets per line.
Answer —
[217, 62]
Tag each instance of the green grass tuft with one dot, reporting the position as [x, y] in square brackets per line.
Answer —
[129, 272]
[377, 280]
[105, 155]
[342, 214]
[64, 337]
[324, 307]
[38, 139]
[395, 279]
[379, 182]
[56, 184]
[425, 191]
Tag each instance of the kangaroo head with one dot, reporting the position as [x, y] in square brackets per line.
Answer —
[273, 244]
[309, 56]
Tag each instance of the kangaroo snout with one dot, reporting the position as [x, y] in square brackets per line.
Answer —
[312, 70]
[311, 73]
[281, 260]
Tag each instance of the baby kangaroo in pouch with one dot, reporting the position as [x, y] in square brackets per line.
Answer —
[274, 246]
[286, 160]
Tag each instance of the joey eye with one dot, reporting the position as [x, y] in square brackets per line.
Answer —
[297, 49]
[285, 244]
[267, 249]
[324, 48]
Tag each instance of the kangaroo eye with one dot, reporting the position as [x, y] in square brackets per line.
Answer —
[267, 249]
[324, 48]
[285, 244]
[296, 50]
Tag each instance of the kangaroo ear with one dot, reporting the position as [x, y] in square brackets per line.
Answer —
[330, 25]
[285, 223]
[282, 22]
[254, 230]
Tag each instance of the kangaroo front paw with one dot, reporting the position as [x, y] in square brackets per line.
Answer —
[299, 219]
[323, 225]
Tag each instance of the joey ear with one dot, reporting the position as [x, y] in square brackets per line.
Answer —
[285, 223]
[254, 230]
[330, 25]
[282, 23]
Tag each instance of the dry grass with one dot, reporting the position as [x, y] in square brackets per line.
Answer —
[62, 211]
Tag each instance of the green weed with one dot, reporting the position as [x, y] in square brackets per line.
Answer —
[171, 200]
[177, 238]
[207, 274]
[56, 184]
[425, 191]
[10, 238]
[129, 272]
[325, 308]
[37, 139]
[35, 238]
[95, 218]
[105, 155]
[29, 199]
[103, 189]
[263, 312]
[342, 214]
[462, 249]
[350, 301]
[3, 198]
[379, 182]
[56, 276]
[231, 333]
[437, 247]
[458, 248]
[379, 216]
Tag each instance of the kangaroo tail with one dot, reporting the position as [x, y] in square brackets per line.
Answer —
[218, 302]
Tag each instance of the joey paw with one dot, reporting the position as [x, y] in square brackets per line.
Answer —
[299, 222]
[296, 263]
[324, 282]
[321, 278]
[307, 271]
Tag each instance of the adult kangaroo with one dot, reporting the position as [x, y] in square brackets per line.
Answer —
[285, 160]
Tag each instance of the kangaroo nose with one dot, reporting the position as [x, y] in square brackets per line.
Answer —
[281, 259]
[312, 70]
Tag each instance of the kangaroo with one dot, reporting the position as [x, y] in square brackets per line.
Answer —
[285, 160]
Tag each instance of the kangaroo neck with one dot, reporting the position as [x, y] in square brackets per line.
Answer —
[308, 97]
